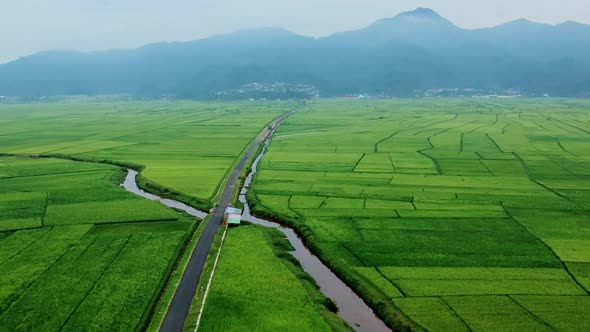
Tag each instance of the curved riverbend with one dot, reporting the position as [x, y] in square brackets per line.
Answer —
[351, 308]
[130, 184]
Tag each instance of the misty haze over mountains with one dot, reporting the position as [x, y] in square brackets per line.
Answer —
[396, 56]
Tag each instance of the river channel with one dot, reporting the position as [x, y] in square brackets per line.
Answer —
[351, 308]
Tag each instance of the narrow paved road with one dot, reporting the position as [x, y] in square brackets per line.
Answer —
[181, 302]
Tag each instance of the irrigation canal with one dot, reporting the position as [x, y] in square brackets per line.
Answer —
[351, 308]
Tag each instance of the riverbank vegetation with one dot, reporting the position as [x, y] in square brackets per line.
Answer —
[457, 214]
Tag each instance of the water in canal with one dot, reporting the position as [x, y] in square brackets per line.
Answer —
[351, 308]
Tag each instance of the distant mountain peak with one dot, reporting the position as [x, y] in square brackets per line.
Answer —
[267, 30]
[521, 25]
[423, 19]
[421, 12]
[524, 21]
[262, 34]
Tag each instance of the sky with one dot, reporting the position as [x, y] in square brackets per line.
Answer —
[29, 26]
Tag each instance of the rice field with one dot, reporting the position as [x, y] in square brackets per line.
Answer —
[183, 146]
[77, 252]
[256, 287]
[444, 214]
[461, 214]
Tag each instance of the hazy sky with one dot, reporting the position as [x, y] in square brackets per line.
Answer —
[28, 26]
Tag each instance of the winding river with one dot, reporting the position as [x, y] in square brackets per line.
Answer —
[130, 184]
[351, 308]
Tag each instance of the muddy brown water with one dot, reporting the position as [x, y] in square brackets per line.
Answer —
[351, 308]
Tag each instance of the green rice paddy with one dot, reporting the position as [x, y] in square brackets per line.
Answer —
[257, 287]
[462, 214]
[78, 252]
[443, 214]
[184, 146]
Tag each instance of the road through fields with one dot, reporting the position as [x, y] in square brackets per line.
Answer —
[181, 302]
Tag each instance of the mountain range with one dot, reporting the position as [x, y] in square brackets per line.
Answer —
[396, 56]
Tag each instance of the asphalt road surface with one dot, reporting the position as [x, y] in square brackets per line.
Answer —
[181, 302]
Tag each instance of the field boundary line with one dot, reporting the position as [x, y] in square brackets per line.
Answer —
[423, 129]
[456, 127]
[289, 206]
[351, 253]
[96, 282]
[497, 119]
[38, 279]
[455, 313]
[376, 146]
[67, 251]
[566, 129]
[563, 265]
[85, 295]
[73, 146]
[542, 127]
[481, 161]
[559, 195]
[323, 202]
[568, 124]
[532, 178]
[535, 317]
[210, 280]
[439, 169]
[405, 128]
[392, 165]
[505, 128]
[45, 207]
[58, 173]
[478, 128]
[394, 284]
[563, 167]
[144, 221]
[358, 162]
[29, 245]
[525, 166]
[495, 143]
